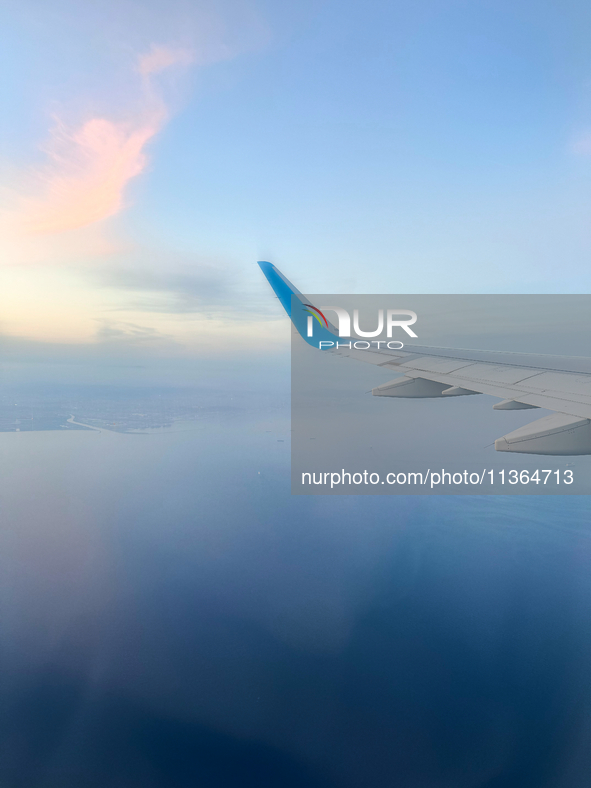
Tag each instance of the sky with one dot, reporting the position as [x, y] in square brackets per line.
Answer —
[152, 152]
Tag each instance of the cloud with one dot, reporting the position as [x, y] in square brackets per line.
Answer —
[203, 288]
[161, 57]
[176, 285]
[88, 166]
[131, 70]
[120, 331]
[87, 173]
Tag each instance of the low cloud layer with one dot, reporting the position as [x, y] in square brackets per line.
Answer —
[121, 331]
[184, 287]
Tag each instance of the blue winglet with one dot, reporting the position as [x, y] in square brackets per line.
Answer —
[298, 307]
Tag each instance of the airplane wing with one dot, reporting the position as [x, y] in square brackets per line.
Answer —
[521, 381]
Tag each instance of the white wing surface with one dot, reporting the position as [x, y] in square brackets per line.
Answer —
[558, 383]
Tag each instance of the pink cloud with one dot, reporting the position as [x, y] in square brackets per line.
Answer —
[88, 167]
[160, 57]
[85, 179]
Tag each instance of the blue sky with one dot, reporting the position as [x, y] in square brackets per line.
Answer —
[362, 147]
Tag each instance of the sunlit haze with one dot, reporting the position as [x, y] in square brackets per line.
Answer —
[153, 152]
